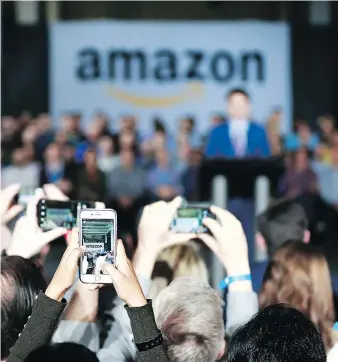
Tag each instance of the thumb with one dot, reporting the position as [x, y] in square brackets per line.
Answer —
[115, 274]
[51, 235]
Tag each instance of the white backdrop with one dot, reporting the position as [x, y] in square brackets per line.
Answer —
[88, 72]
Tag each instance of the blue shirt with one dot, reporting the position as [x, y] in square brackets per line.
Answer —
[163, 177]
[292, 142]
[328, 181]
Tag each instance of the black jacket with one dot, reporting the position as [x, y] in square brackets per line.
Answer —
[45, 315]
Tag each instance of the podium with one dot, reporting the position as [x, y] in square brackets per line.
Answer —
[222, 179]
[240, 174]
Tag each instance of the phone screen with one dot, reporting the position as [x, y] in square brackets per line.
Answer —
[190, 220]
[52, 214]
[98, 238]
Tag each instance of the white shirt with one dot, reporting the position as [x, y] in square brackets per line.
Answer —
[238, 131]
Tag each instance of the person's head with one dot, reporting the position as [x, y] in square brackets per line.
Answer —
[283, 221]
[62, 352]
[189, 314]
[195, 157]
[127, 158]
[127, 140]
[302, 127]
[94, 132]
[128, 123]
[298, 275]
[187, 124]
[217, 119]
[162, 158]
[159, 126]
[43, 123]
[53, 153]
[238, 104]
[176, 261]
[29, 134]
[19, 157]
[106, 146]
[21, 282]
[326, 123]
[277, 333]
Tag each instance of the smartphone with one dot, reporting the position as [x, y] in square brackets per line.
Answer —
[25, 195]
[53, 213]
[97, 232]
[190, 220]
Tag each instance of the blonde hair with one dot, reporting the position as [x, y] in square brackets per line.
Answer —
[176, 261]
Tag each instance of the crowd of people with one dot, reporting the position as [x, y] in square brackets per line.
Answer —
[165, 309]
[160, 306]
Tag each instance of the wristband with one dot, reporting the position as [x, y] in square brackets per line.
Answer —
[145, 346]
[232, 279]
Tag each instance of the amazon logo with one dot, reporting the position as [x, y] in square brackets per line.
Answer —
[166, 66]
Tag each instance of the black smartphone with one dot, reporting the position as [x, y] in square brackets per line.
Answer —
[52, 213]
[25, 195]
[190, 220]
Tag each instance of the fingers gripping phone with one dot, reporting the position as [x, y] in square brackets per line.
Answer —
[97, 232]
[53, 213]
[190, 220]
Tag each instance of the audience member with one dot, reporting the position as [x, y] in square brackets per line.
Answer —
[282, 221]
[189, 177]
[163, 179]
[302, 137]
[327, 126]
[55, 170]
[273, 125]
[107, 159]
[278, 333]
[176, 261]
[21, 282]
[188, 133]
[327, 175]
[298, 275]
[299, 177]
[90, 180]
[23, 170]
[126, 186]
[189, 314]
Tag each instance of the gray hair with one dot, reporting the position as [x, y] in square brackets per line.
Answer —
[190, 315]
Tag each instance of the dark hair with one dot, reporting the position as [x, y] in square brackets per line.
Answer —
[159, 125]
[238, 91]
[278, 333]
[283, 221]
[21, 282]
[62, 352]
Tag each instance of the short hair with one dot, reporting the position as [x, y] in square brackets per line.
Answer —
[238, 91]
[62, 352]
[283, 221]
[277, 333]
[21, 282]
[190, 315]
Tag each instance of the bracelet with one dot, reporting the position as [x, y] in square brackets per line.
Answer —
[145, 346]
[233, 278]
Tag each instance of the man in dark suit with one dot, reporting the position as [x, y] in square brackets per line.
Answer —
[239, 137]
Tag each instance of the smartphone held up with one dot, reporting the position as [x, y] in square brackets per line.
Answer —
[97, 233]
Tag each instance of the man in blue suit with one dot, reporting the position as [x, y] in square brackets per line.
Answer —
[239, 137]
